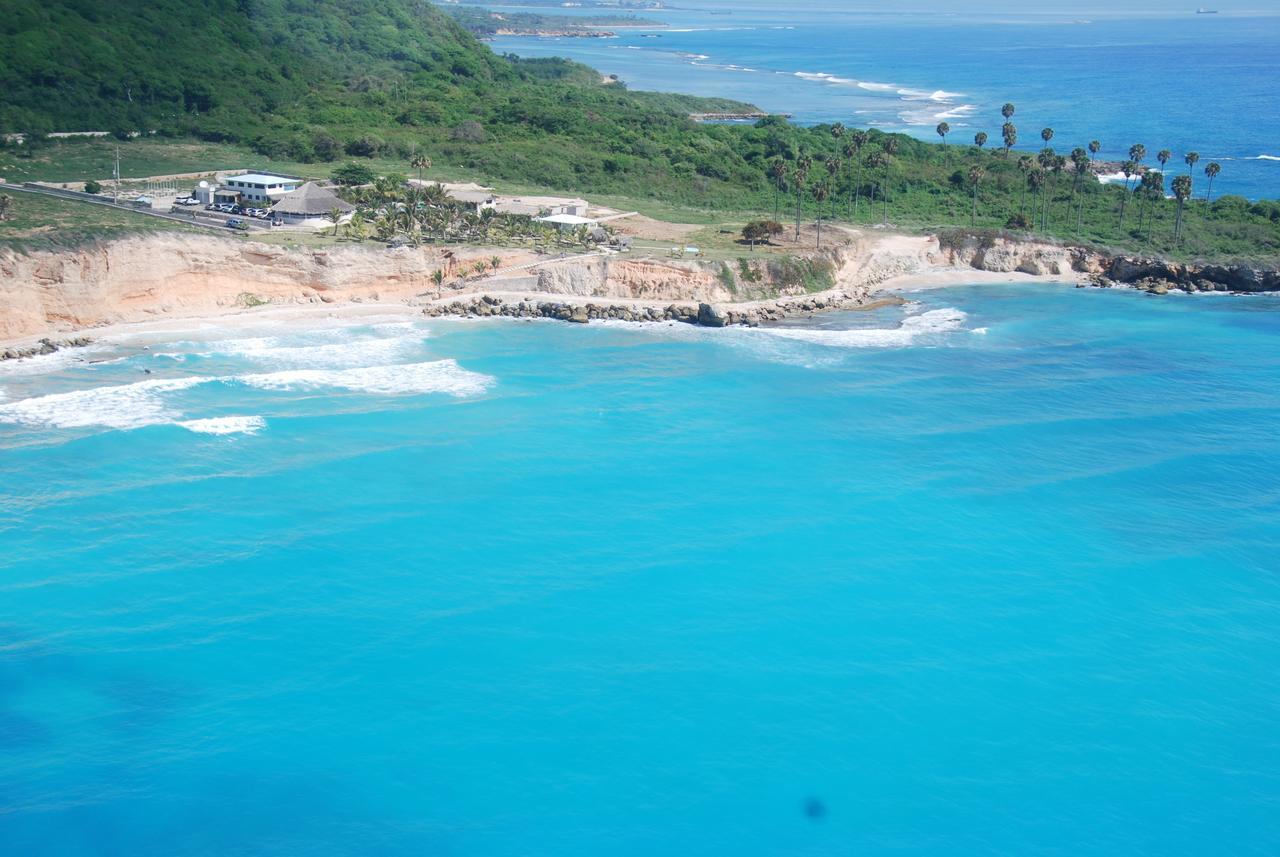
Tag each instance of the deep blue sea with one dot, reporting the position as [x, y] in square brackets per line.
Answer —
[992, 573]
[1169, 79]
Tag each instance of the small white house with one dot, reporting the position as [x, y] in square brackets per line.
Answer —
[257, 187]
[567, 221]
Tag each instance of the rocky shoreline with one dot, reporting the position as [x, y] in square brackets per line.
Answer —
[48, 294]
[1159, 277]
[584, 310]
[44, 346]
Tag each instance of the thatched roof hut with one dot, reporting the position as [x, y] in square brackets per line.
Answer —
[311, 200]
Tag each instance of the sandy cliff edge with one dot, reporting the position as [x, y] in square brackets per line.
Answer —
[145, 278]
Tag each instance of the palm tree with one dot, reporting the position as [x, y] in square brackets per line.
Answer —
[385, 228]
[1036, 178]
[1191, 160]
[334, 215]
[437, 277]
[1024, 166]
[1007, 111]
[976, 174]
[834, 165]
[890, 146]
[1153, 191]
[1211, 170]
[1181, 190]
[1009, 133]
[1046, 134]
[858, 141]
[820, 194]
[801, 174]
[777, 172]
[837, 131]
[1137, 153]
[420, 162]
[1046, 159]
[495, 262]
[1080, 162]
[356, 226]
[980, 140]
[880, 161]
[943, 130]
[1163, 157]
[1129, 168]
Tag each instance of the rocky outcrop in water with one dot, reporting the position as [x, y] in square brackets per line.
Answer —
[44, 346]
[1158, 276]
[584, 310]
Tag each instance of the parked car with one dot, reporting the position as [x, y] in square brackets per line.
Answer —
[237, 223]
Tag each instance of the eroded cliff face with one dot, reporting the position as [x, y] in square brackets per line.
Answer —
[140, 278]
[137, 279]
[620, 277]
[1007, 256]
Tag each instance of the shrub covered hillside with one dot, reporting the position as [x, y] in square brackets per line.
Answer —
[315, 80]
[323, 81]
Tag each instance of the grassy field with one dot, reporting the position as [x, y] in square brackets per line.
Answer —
[38, 222]
[924, 195]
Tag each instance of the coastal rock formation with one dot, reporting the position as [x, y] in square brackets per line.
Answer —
[584, 309]
[141, 278]
[1158, 276]
[44, 346]
[984, 251]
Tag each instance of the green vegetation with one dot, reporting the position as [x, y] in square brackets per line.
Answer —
[484, 22]
[300, 88]
[396, 211]
[39, 222]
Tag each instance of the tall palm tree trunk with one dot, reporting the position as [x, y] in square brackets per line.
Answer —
[857, 192]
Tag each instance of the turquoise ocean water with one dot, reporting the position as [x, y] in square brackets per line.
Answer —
[994, 573]
[1164, 77]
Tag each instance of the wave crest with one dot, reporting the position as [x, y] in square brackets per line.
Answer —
[439, 376]
[225, 425]
[912, 329]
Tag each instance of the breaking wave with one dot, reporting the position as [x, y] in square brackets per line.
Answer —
[225, 425]
[334, 355]
[128, 406]
[913, 329]
[143, 403]
[439, 376]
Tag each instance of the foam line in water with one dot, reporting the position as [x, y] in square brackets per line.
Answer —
[334, 355]
[225, 425]
[912, 329]
[438, 376]
[126, 406]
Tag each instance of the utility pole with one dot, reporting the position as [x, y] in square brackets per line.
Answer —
[115, 196]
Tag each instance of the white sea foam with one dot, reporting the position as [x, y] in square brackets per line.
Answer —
[1264, 158]
[912, 329]
[439, 376]
[824, 77]
[46, 364]
[872, 86]
[1113, 178]
[334, 355]
[225, 425]
[128, 406]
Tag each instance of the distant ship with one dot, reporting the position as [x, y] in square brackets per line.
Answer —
[1204, 11]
